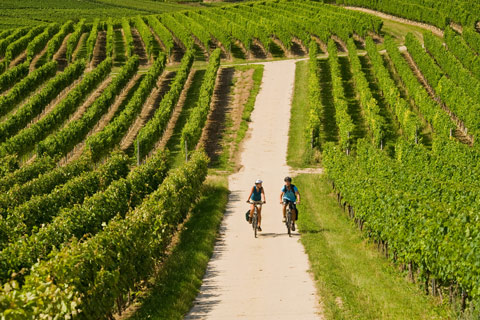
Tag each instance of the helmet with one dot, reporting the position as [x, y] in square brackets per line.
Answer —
[258, 181]
[287, 179]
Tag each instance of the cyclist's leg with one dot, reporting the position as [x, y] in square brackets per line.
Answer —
[259, 211]
[252, 209]
[284, 210]
[294, 213]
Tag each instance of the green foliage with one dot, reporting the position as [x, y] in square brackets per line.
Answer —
[342, 117]
[57, 40]
[43, 184]
[127, 33]
[154, 128]
[472, 38]
[198, 116]
[418, 204]
[100, 143]
[69, 136]
[27, 138]
[314, 98]
[16, 47]
[369, 104]
[181, 32]
[431, 111]
[5, 42]
[122, 254]
[41, 209]
[408, 121]
[145, 34]
[88, 218]
[110, 39]
[458, 46]
[37, 44]
[72, 41]
[12, 76]
[92, 39]
[26, 173]
[163, 34]
[27, 112]
[22, 89]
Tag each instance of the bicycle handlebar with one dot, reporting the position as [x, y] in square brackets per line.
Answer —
[255, 202]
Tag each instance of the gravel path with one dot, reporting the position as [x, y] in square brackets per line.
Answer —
[267, 277]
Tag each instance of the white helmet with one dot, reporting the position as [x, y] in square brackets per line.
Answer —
[258, 181]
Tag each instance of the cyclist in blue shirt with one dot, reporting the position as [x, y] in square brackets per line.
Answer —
[289, 194]
[257, 194]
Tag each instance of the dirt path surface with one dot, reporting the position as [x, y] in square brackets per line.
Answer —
[267, 277]
[435, 30]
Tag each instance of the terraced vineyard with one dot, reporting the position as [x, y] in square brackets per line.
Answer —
[91, 196]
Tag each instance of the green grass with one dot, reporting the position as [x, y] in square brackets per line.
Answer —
[353, 279]
[298, 155]
[176, 285]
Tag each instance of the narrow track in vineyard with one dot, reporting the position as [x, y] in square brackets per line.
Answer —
[139, 48]
[61, 55]
[220, 107]
[90, 99]
[80, 46]
[22, 57]
[99, 52]
[152, 103]
[37, 57]
[162, 143]
[382, 15]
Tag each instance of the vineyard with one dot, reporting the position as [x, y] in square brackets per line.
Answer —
[105, 127]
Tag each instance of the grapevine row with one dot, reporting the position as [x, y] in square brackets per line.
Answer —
[344, 121]
[100, 143]
[121, 195]
[27, 138]
[431, 111]
[192, 130]
[26, 86]
[72, 41]
[314, 98]
[408, 121]
[142, 238]
[65, 140]
[369, 104]
[26, 113]
[150, 133]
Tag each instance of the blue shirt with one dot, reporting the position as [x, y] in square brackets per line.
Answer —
[256, 194]
[290, 194]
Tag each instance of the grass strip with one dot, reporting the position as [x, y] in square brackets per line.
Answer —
[299, 154]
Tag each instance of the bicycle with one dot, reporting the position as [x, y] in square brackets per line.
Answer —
[255, 216]
[288, 219]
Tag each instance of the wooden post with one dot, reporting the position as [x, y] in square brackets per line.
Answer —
[186, 151]
[138, 153]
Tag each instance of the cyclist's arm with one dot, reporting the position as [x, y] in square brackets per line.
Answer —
[298, 196]
[263, 195]
[250, 196]
[281, 196]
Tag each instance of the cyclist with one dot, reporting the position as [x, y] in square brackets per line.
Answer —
[289, 194]
[257, 194]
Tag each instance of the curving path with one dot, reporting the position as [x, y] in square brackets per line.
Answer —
[267, 277]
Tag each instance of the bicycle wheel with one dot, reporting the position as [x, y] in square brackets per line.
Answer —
[255, 223]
